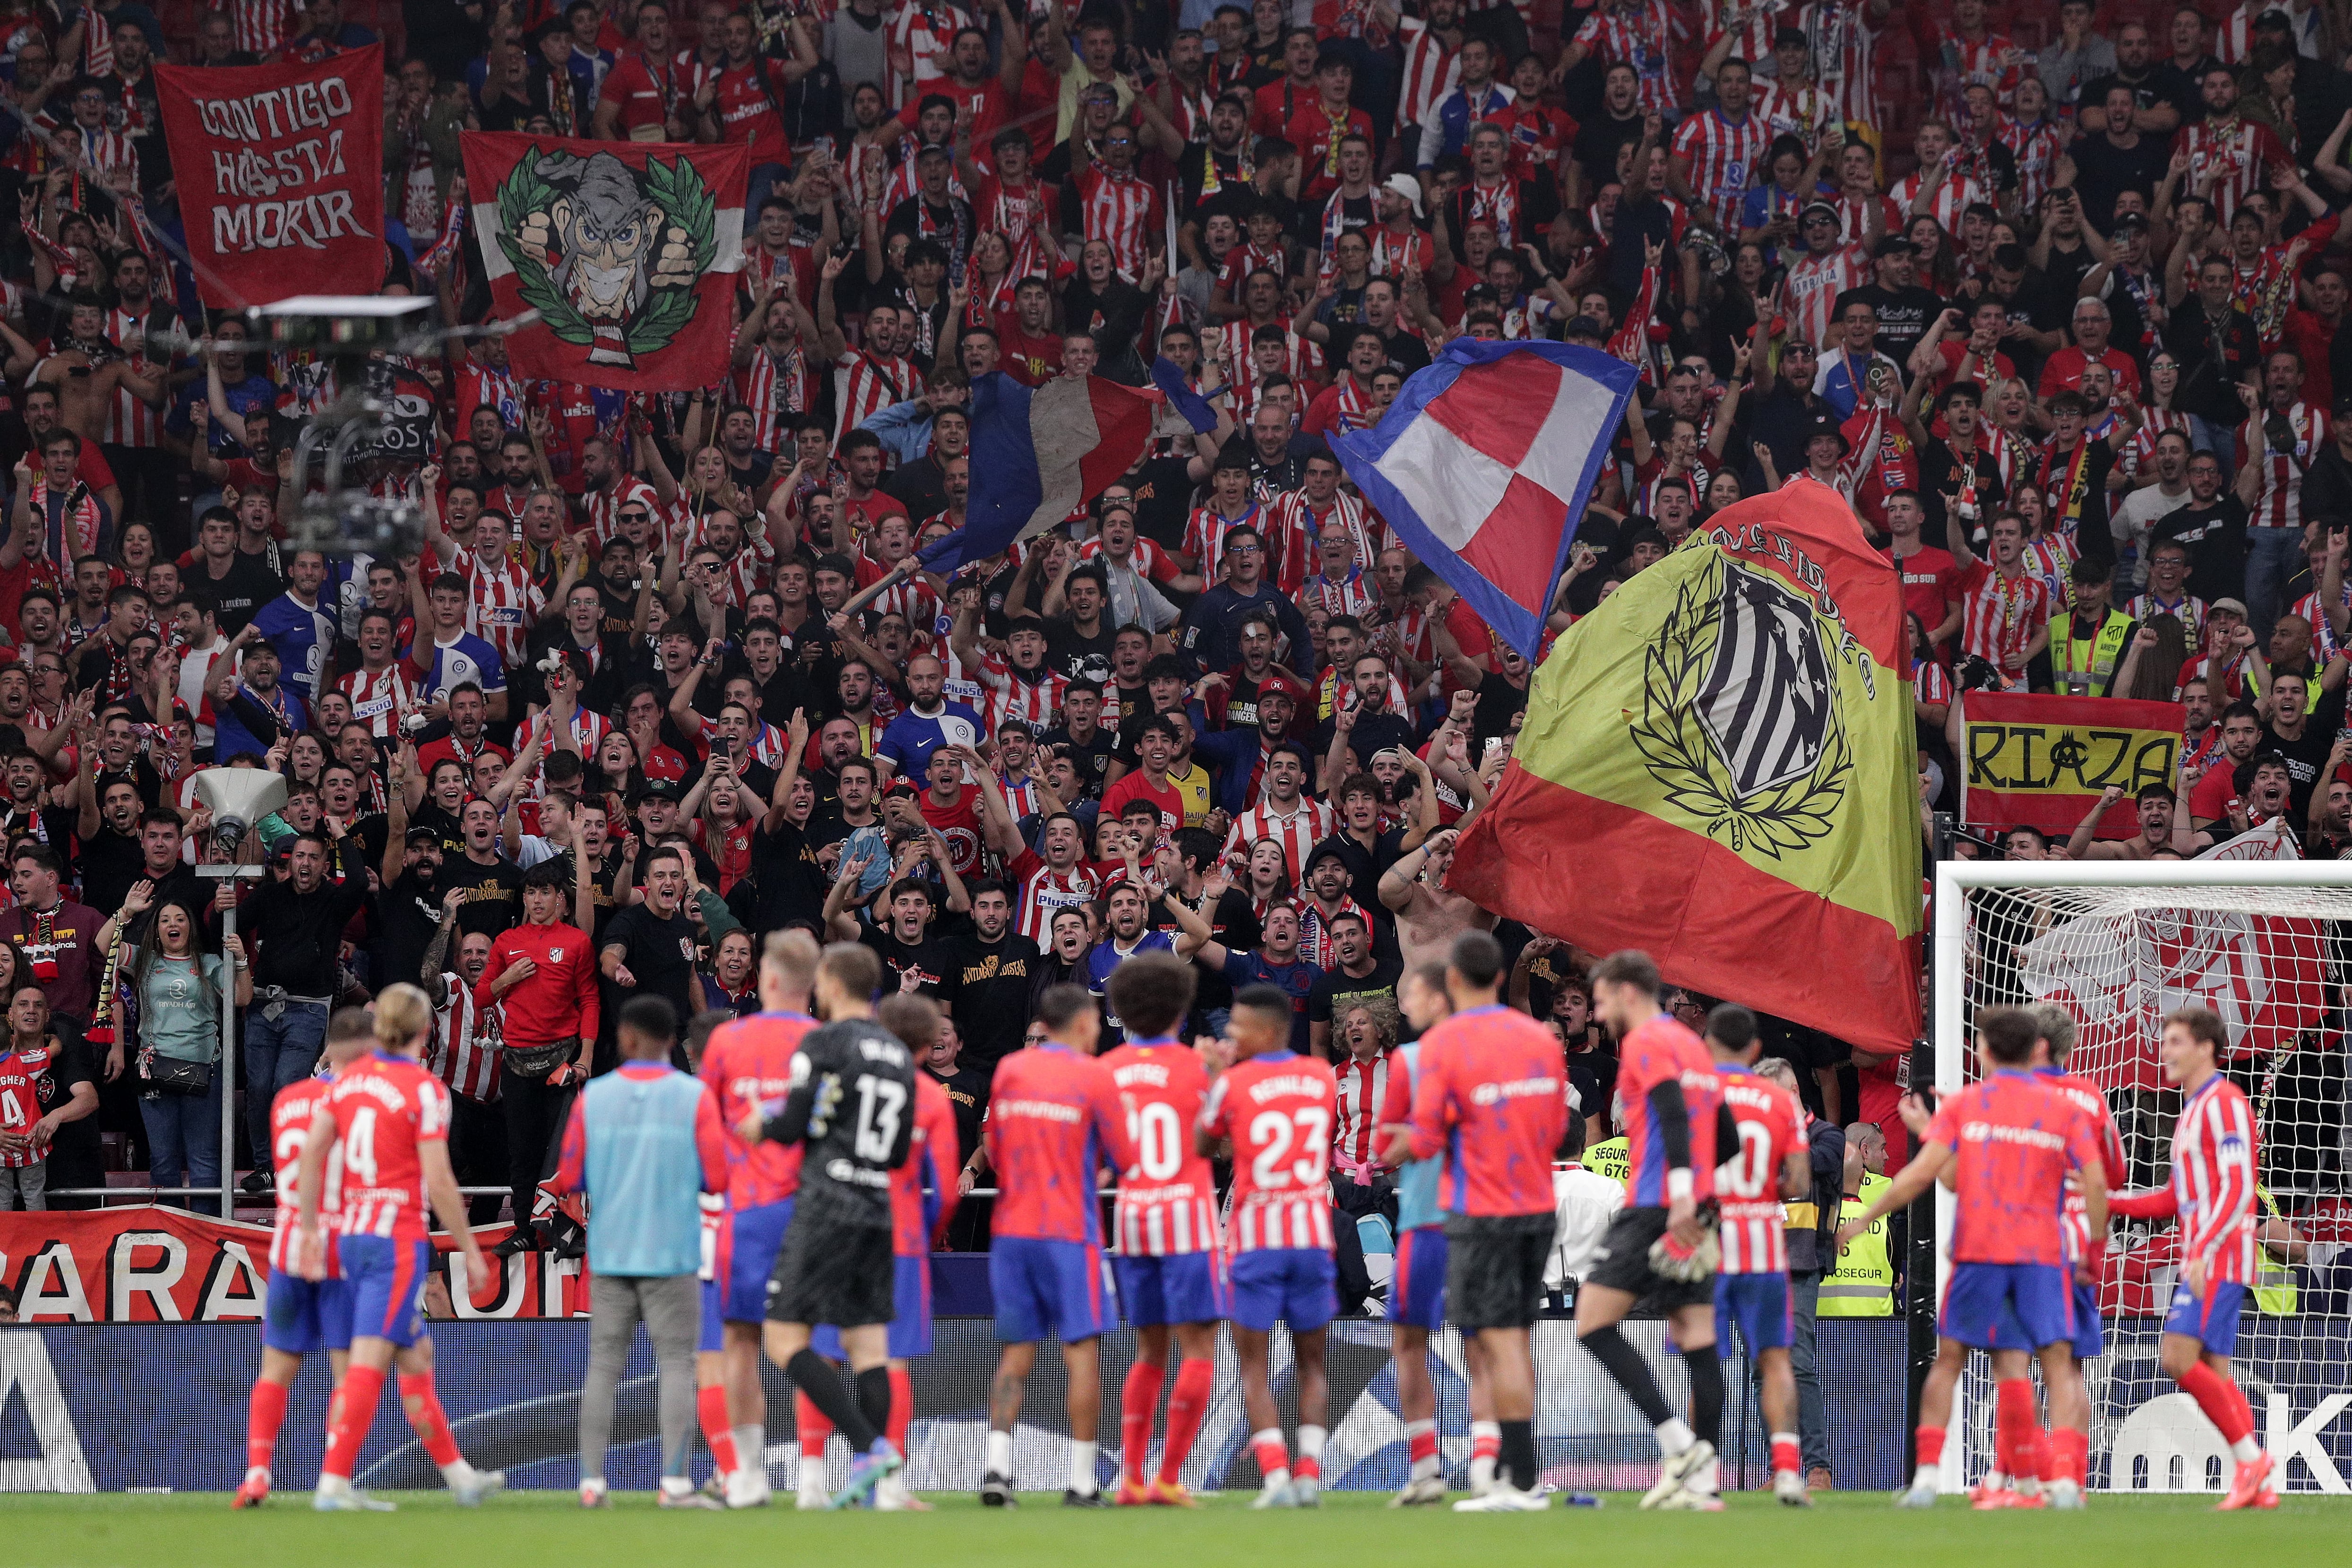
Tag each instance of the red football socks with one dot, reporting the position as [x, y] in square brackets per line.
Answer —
[1421, 1440]
[710, 1409]
[362, 1386]
[2017, 1429]
[812, 1425]
[1188, 1403]
[2220, 1399]
[1139, 1400]
[902, 1407]
[2070, 1455]
[265, 1413]
[1271, 1454]
[1930, 1440]
[1785, 1456]
[425, 1414]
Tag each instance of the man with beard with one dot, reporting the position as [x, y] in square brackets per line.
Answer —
[1127, 930]
[1352, 736]
[914, 961]
[1276, 960]
[1211, 630]
[464, 1055]
[1428, 917]
[648, 948]
[991, 968]
[493, 884]
[108, 858]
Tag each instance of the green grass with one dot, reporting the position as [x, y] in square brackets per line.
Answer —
[523, 1530]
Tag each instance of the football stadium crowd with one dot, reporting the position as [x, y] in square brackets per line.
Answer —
[2056, 301]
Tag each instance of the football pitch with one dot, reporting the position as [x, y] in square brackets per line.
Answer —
[525, 1530]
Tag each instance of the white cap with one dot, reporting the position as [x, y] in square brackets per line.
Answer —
[1406, 186]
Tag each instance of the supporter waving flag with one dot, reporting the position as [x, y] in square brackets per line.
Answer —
[1483, 463]
[1721, 758]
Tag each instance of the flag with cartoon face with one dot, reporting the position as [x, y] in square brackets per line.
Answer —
[628, 251]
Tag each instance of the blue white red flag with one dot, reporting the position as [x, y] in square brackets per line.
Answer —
[1040, 453]
[1483, 464]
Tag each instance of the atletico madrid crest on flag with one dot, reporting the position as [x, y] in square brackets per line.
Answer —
[628, 251]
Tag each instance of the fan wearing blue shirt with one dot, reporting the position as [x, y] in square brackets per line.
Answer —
[1129, 934]
[1275, 963]
[300, 627]
[927, 722]
[456, 656]
[259, 711]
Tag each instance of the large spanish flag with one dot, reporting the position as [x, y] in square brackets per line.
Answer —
[1719, 767]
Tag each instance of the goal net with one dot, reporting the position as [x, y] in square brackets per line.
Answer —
[2265, 939]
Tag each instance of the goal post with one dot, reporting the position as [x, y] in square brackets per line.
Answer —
[2265, 941]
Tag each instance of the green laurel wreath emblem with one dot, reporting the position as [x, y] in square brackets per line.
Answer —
[686, 203]
[1682, 758]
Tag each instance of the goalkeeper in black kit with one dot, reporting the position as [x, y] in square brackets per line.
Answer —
[851, 1107]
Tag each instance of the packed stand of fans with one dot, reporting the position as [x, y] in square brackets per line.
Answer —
[2061, 320]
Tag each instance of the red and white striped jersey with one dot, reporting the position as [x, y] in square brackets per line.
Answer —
[1007, 696]
[777, 389]
[1726, 157]
[1804, 112]
[2233, 35]
[1810, 292]
[1957, 65]
[385, 1108]
[128, 421]
[1751, 26]
[1123, 212]
[1300, 522]
[1430, 73]
[464, 1050]
[1363, 1090]
[1999, 616]
[101, 151]
[1640, 35]
[2075, 1225]
[2244, 150]
[2213, 1182]
[1845, 44]
[1747, 1183]
[2139, 452]
[2279, 502]
[1043, 891]
[924, 31]
[1953, 197]
[1204, 538]
[1167, 1203]
[1316, 943]
[505, 603]
[289, 1127]
[378, 695]
[2036, 148]
[1353, 595]
[603, 507]
[2325, 643]
[262, 25]
[1278, 1110]
[864, 384]
[1306, 824]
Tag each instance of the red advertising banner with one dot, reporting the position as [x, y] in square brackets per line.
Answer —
[280, 174]
[627, 250]
[2043, 761]
[157, 1265]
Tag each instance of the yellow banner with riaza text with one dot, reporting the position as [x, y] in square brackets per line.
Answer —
[2043, 761]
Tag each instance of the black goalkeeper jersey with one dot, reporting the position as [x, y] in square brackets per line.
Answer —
[851, 1105]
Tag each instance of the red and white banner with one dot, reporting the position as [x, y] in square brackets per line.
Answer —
[2267, 976]
[157, 1265]
[280, 175]
[627, 250]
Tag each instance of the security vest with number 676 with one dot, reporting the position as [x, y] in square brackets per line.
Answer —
[1863, 1283]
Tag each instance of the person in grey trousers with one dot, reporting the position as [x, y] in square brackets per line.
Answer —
[642, 1144]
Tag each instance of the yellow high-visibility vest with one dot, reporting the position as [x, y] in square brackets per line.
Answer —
[1609, 1158]
[2273, 1281]
[1863, 1283]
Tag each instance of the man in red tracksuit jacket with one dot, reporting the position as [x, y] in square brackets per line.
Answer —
[544, 972]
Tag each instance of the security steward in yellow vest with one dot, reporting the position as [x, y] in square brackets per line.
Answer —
[1609, 1158]
[2087, 644]
[1863, 1283]
[2278, 1248]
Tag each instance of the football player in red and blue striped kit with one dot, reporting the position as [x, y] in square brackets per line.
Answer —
[1056, 1124]
[1169, 1267]
[1770, 1159]
[2212, 1192]
[1276, 1107]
